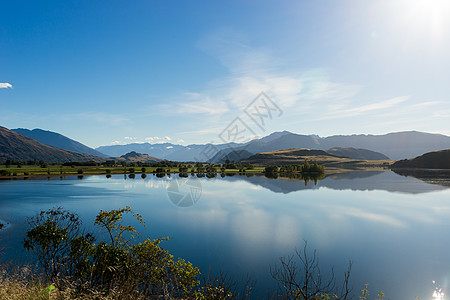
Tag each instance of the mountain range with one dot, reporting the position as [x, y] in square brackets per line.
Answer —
[23, 144]
[57, 140]
[398, 145]
[15, 146]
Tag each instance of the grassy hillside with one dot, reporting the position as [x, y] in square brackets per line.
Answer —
[298, 156]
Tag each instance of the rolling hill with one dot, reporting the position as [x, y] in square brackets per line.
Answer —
[15, 146]
[357, 153]
[58, 141]
[430, 160]
[298, 156]
[135, 157]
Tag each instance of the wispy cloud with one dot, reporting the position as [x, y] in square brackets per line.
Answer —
[308, 96]
[5, 85]
[197, 103]
[344, 111]
[252, 70]
[137, 140]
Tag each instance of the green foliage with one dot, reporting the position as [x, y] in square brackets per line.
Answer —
[64, 252]
[364, 292]
[211, 169]
[314, 168]
[111, 222]
[271, 169]
[56, 237]
[5, 173]
[160, 170]
[183, 169]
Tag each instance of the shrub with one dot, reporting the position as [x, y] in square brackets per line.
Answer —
[80, 171]
[118, 265]
[5, 173]
[271, 169]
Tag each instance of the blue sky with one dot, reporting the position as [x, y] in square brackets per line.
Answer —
[110, 72]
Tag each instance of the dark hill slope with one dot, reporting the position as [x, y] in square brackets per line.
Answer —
[357, 153]
[58, 140]
[15, 146]
[431, 160]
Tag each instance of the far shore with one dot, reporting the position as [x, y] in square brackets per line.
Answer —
[328, 171]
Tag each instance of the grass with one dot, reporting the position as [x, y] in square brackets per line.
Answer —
[59, 170]
[22, 284]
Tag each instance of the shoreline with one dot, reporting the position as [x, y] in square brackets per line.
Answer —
[329, 171]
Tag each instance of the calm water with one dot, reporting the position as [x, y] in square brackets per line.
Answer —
[395, 229]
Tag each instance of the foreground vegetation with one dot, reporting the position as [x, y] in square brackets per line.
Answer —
[73, 264]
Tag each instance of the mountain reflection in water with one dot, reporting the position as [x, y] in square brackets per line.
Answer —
[356, 181]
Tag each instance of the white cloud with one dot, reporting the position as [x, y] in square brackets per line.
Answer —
[116, 142]
[129, 138]
[5, 85]
[252, 71]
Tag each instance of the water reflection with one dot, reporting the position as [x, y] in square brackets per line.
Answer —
[438, 294]
[243, 224]
[439, 177]
[356, 181]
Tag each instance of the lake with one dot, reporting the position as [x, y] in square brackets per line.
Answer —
[395, 229]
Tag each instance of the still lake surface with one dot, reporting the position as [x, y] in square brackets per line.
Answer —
[394, 229]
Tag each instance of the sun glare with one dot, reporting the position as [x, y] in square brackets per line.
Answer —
[430, 16]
